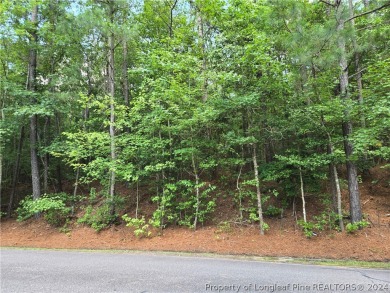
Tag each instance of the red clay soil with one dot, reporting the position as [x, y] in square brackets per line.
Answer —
[284, 239]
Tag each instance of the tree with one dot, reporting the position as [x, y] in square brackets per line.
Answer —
[353, 184]
[183, 96]
[31, 86]
[111, 93]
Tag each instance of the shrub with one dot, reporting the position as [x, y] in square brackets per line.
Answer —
[98, 218]
[353, 227]
[178, 204]
[52, 206]
[273, 211]
[141, 229]
[308, 228]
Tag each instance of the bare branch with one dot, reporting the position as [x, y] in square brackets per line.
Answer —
[356, 73]
[327, 3]
[369, 12]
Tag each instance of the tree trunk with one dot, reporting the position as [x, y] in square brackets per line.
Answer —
[170, 25]
[36, 182]
[58, 167]
[204, 62]
[125, 75]
[353, 184]
[338, 192]
[76, 185]
[125, 80]
[239, 194]
[353, 187]
[46, 156]
[15, 174]
[335, 186]
[32, 64]
[111, 87]
[202, 43]
[302, 196]
[258, 193]
[357, 65]
[196, 189]
[137, 200]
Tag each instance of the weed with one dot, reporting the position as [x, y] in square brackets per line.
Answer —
[141, 229]
[98, 218]
[224, 227]
[353, 227]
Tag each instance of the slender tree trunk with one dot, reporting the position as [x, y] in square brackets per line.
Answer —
[353, 187]
[125, 79]
[204, 61]
[36, 182]
[258, 193]
[137, 201]
[353, 184]
[357, 65]
[338, 191]
[76, 185]
[170, 25]
[163, 177]
[15, 174]
[332, 184]
[335, 186]
[32, 64]
[239, 193]
[58, 167]
[195, 170]
[46, 156]
[202, 44]
[111, 87]
[302, 196]
[125, 75]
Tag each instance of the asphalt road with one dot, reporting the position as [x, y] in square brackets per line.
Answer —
[85, 271]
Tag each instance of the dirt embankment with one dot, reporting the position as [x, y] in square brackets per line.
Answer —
[284, 239]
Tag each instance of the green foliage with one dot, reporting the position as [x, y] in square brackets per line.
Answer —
[98, 217]
[272, 211]
[266, 227]
[308, 228]
[248, 198]
[141, 229]
[51, 206]
[326, 220]
[353, 227]
[178, 204]
[201, 96]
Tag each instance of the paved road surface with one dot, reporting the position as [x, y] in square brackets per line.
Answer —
[83, 271]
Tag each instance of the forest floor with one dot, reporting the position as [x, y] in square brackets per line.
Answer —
[284, 239]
